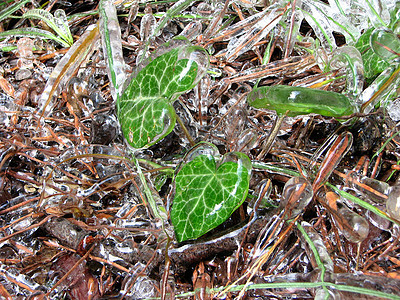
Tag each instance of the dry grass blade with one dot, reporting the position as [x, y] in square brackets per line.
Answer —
[66, 68]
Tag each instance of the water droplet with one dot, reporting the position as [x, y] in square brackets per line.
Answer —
[192, 30]
[237, 118]
[204, 9]
[393, 109]
[354, 227]
[380, 188]
[202, 149]
[393, 203]
[25, 54]
[25, 48]
[382, 41]
[141, 287]
[246, 141]
[322, 294]
[296, 195]
[147, 24]
[104, 129]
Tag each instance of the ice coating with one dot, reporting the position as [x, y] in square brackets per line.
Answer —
[296, 195]
[350, 58]
[300, 101]
[66, 68]
[385, 43]
[112, 46]
[245, 40]
[393, 202]
[354, 227]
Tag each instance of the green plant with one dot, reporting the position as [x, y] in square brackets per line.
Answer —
[145, 109]
[5, 13]
[379, 44]
[208, 192]
[300, 101]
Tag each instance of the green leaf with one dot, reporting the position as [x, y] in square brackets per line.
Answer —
[207, 193]
[144, 110]
[373, 64]
[165, 76]
[300, 101]
[146, 120]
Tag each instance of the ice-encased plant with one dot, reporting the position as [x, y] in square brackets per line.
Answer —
[208, 190]
[145, 109]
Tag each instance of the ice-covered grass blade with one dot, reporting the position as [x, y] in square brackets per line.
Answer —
[310, 285]
[110, 33]
[248, 38]
[157, 211]
[374, 16]
[325, 19]
[362, 203]
[350, 58]
[33, 33]
[381, 90]
[56, 22]
[5, 13]
[65, 69]
[315, 252]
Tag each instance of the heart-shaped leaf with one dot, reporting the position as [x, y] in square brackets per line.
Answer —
[144, 110]
[207, 193]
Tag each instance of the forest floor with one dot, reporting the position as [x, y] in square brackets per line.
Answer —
[76, 217]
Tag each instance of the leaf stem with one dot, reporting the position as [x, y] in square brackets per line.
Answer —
[185, 131]
[268, 143]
